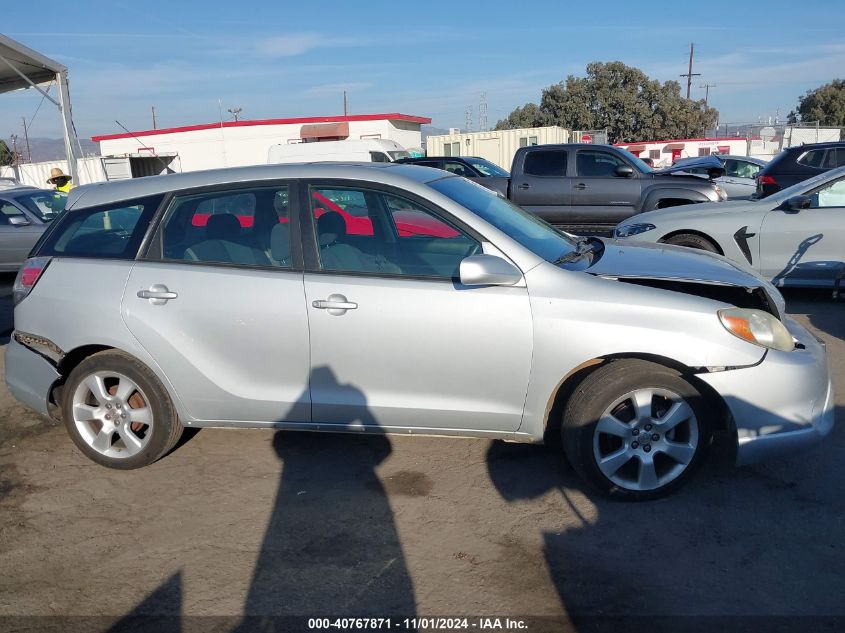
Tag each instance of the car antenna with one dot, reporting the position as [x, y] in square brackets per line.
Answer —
[141, 144]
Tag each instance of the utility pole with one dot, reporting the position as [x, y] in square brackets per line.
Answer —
[153, 108]
[707, 91]
[26, 138]
[344, 103]
[15, 157]
[235, 112]
[689, 74]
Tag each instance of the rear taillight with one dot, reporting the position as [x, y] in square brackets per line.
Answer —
[766, 180]
[28, 276]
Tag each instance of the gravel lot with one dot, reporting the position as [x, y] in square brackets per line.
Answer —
[254, 523]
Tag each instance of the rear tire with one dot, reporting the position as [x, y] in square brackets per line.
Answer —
[691, 240]
[635, 430]
[118, 413]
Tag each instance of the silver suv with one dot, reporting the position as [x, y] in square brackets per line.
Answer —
[398, 298]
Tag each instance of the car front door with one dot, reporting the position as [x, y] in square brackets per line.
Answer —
[540, 184]
[396, 341]
[18, 234]
[806, 247]
[740, 179]
[599, 196]
[218, 302]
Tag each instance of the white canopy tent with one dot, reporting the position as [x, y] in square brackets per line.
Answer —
[21, 67]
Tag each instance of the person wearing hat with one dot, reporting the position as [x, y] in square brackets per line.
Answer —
[60, 180]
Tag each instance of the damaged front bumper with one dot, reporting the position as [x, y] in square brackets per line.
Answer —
[781, 405]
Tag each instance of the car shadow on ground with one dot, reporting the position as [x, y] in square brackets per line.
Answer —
[824, 313]
[330, 548]
[650, 566]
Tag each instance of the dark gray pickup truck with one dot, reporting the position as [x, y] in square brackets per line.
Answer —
[591, 188]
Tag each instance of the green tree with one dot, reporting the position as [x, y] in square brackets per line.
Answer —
[621, 99]
[6, 157]
[825, 104]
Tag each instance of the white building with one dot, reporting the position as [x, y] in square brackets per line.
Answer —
[664, 153]
[497, 146]
[238, 143]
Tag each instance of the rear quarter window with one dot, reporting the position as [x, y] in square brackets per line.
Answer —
[112, 231]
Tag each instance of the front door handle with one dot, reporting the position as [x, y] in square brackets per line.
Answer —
[336, 304]
[525, 185]
[158, 294]
[580, 185]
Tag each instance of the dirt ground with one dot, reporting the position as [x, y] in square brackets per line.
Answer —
[253, 523]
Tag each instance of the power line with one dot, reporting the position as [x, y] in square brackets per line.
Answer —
[707, 91]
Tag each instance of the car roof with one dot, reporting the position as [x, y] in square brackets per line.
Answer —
[808, 146]
[385, 173]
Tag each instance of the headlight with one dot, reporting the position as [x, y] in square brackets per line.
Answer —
[757, 327]
[632, 229]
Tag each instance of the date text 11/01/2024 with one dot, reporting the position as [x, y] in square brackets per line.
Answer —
[413, 624]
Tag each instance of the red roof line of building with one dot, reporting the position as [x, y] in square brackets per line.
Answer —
[685, 140]
[393, 116]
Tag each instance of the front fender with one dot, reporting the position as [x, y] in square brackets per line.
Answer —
[656, 193]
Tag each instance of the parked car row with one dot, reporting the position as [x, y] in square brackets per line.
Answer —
[25, 212]
[487, 322]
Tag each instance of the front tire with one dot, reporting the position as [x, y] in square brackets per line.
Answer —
[691, 240]
[635, 430]
[118, 413]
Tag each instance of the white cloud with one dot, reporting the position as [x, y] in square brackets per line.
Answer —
[293, 44]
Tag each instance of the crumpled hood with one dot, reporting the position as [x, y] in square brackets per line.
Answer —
[700, 162]
[644, 260]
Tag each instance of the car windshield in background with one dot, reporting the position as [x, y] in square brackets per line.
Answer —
[639, 164]
[46, 205]
[487, 168]
[526, 228]
[397, 155]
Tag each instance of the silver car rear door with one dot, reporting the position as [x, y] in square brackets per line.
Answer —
[221, 307]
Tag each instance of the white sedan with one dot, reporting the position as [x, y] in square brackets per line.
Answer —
[795, 237]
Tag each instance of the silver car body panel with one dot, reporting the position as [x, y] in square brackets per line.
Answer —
[31, 378]
[804, 248]
[246, 347]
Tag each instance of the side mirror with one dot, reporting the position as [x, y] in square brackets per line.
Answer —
[624, 171]
[18, 220]
[488, 270]
[796, 203]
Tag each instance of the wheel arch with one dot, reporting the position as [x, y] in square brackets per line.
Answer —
[565, 388]
[702, 234]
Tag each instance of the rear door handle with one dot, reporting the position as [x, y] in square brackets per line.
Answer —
[336, 304]
[158, 294]
[580, 185]
[525, 185]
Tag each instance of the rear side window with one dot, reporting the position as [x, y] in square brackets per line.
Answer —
[835, 158]
[545, 163]
[813, 158]
[112, 231]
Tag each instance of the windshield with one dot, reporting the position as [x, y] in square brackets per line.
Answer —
[396, 155]
[527, 229]
[487, 168]
[46, 205]
[639, 164]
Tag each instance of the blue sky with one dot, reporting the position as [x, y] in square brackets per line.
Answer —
[279, 59]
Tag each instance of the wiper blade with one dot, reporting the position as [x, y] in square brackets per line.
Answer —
[584, 246]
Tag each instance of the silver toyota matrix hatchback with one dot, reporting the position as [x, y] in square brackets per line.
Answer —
[401, 299]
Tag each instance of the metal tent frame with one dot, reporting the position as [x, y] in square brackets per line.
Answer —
[20, 68]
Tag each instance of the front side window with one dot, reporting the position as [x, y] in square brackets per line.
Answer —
[591, 163]
[545, 163]
[487, 168]
[405, 239]
[831, 196]
[112, 231]
[741, 169]
[379, 157]
[248, 227]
